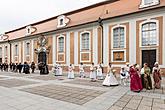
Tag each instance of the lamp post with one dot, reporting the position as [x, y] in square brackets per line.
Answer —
[100, 21]
[9, 42]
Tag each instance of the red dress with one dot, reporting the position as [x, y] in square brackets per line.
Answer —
[135, 84]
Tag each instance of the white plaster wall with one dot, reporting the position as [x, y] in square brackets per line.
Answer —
[95, 45]
[3, 57]
[23, 55]
[67, 48]
[75, 48]
[106, 46]
[132, 42]
[32, 50]
[163, 40]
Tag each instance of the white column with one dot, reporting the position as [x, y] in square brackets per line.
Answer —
[23, 53]
[12, 53]
[132, 42]
[8, 53]
[19, 51]
[95, 45]
[3, 53]
[105, 45]
[68, 48]
[54, 49]
[76, 48]
[32, 50]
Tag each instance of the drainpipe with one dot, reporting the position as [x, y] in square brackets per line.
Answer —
[100, 21]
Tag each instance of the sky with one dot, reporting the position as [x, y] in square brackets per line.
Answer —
[18, 13]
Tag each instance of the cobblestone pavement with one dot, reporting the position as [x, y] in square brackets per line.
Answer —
[47, 92]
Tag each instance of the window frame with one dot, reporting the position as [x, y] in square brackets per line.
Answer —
[27, 52]
[112, 33]
[16, 50]
[143, 5]
[89, 41]
[61, 36]
[157, 32]
[59, 25]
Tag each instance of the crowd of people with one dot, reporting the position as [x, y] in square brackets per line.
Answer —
[139, 78]
[18, 67]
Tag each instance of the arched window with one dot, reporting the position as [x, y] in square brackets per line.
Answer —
[118, 37]
[149, 34]
[28, 48]
[61, 44]
[16, 50]
[85, 41]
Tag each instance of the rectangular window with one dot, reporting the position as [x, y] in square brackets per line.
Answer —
[61, 44]
[85, 45]
[16, 50]
[5, 50]
[27, 48]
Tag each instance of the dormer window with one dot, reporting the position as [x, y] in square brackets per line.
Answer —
[62, 21]
[147, 3]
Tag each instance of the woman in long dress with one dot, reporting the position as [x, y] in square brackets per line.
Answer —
[81, 70]
[110, 79]
[93, 73]
[156, 76]
[99, 72]
[135, 84]
[146, 78]
[71, 72]
[59, 69]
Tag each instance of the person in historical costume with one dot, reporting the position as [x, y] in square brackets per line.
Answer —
[110, 79]
[127, 72]
[93, 73]
[135, 84]
[33, 66]
[122, 76]
[26, 68]
[59, 70]
[146, 78]
[156, 76]
[99, 72]
[71, 72]
[81, 70]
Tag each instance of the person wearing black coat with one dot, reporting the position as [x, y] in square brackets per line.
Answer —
[19, 67]
[26, 68]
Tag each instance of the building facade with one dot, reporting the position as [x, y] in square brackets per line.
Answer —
[116, 31]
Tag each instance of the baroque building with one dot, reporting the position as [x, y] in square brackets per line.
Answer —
[116, 31]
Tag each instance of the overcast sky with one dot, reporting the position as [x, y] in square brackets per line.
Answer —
[18, 13]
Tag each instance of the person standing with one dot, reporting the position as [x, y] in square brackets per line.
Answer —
[26, 68]
[10, 66]
[99, 72]
[19, 67]
[122, 76]
[71, 72]
[156, 76]
[135, 84]
[33, 66]
[110, 79]
[81, 70]
[93, 70]
[146, 78]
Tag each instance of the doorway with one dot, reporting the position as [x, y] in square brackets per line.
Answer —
[149, 56]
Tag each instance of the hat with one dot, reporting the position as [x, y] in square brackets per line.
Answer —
[156, 63]
[137, 66]
[127, 63]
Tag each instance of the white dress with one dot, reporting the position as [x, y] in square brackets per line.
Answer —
[93, 72]
[81, 68]
[71, 72]
[59, 71]
[127, 72]
[110, 79]
[99, 73]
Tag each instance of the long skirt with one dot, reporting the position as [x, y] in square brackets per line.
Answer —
[93, 75]
[136, 83]
[147, 82]
[157, 80]
[71, 75]
[99, 74]
[110, 80]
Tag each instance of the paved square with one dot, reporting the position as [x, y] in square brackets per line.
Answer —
[15, 83]
[47, 77]
[74, 95]
[87, 82]
[134, 102]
